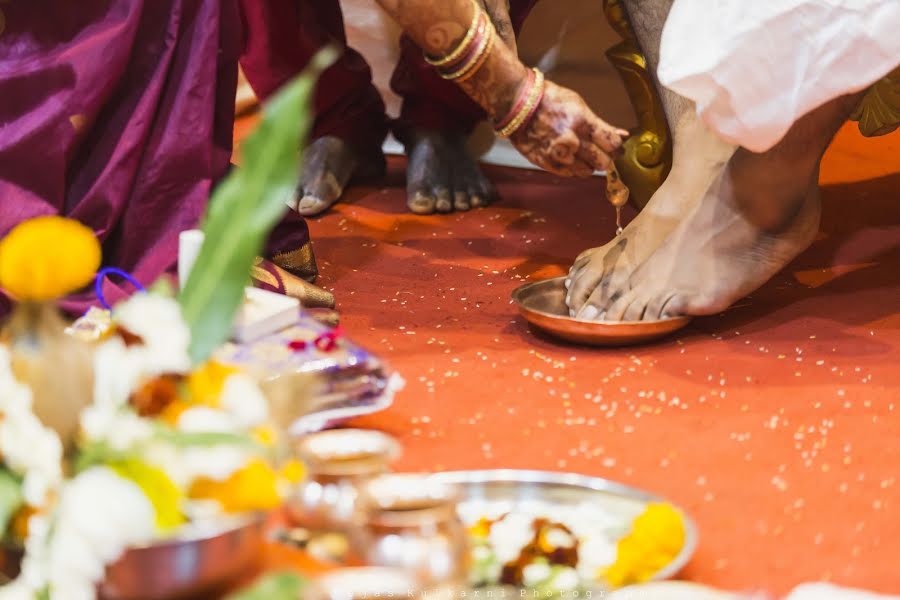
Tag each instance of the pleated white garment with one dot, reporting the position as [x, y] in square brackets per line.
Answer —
[753, 67]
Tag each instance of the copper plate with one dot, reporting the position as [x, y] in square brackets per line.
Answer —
[543, 304]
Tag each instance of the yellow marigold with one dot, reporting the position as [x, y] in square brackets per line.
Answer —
[173, 412]
[162, 492]
[265, 435]
[293, 471]
[252, 488]
[48, 257]
[19, 527]
[205, 383]
[655, 539]
[482, 528]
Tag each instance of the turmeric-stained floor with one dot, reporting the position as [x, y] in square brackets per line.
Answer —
[776, 424]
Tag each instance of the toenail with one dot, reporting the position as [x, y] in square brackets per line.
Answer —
[568, 283]
[589, 313]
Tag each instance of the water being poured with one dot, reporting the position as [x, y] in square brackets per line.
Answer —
[617, 193]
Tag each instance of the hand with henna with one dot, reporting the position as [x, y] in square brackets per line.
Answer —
[564, 136]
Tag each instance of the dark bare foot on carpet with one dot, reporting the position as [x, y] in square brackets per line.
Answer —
[329, 166]
[757, 216]
[443, 176]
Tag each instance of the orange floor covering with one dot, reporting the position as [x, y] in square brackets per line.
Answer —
[773, 424]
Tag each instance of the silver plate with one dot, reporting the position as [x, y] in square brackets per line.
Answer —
[516, 487]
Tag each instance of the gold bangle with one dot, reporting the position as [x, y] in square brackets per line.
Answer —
[463, 45]
[466, 73]
[528, 108]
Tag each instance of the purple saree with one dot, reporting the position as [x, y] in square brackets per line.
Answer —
[119, 113]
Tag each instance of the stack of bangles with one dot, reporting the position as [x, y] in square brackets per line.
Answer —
[469, 56]
[528, 102]
[471, 53]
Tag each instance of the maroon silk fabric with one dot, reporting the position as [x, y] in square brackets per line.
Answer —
[119, 113]
[283, 35]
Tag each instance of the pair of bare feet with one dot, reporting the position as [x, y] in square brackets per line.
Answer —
[442, 175]
[724, 222]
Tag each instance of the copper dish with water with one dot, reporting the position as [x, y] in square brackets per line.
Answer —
[543, 304]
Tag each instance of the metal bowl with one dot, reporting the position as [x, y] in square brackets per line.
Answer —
[543, 304]
[188, 566]
[514, 489]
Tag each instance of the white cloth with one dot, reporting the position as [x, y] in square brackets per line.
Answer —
[753, 67]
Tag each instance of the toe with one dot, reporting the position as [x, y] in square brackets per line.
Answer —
[310, 205]
[461, 201]
[481, 190]
[635, 310]
[582, 285]
[659, 305]
[619, 304]
[421, 203]
[443, 200]
[591, 308]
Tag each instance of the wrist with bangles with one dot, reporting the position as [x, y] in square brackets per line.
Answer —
[472, 52]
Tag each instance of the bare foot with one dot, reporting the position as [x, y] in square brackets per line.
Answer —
[758, 215]
[329, 166]
[443, 176]
[699, 157]
[713, 258]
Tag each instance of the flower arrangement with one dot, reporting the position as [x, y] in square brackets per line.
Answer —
[164, 449]
[138, 437]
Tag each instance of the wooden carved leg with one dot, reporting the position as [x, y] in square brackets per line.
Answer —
[647, 154]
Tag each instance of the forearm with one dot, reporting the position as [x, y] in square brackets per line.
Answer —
[439, 26]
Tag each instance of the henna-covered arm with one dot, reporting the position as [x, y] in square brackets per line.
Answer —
[564, 136]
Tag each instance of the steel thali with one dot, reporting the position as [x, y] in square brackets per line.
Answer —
[512, 491]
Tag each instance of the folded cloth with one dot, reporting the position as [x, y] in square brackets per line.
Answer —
[825, 591]
[754, 68]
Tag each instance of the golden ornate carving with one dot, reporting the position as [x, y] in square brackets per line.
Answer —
[879, 111]
[647, 154]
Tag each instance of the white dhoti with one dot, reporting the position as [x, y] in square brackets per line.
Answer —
[753, 67]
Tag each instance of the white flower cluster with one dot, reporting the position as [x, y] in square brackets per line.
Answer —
[27, 448]
[98, 515]
[120, 368]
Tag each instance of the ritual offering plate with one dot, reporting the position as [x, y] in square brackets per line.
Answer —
[563, 532]
[543, 304]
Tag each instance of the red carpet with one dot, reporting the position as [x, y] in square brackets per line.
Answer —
[774, 424]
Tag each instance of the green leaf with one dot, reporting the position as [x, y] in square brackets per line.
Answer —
[11, 499]
[244, 209]
[279, 586]
[203, 439]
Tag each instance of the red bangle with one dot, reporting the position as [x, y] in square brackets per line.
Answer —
[534, 109]
[519, 104]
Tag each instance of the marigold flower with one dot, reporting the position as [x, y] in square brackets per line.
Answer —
[48, 257]
[252, 488]
[655, 539]
[205, 383]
